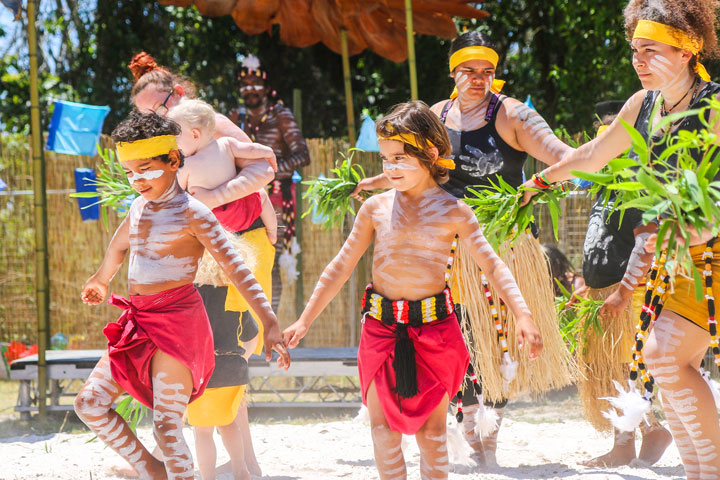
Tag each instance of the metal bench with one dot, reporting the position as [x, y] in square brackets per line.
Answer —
[319, 377]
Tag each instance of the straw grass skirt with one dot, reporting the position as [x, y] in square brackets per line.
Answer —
[555, 367]
[604, 358]
[210, 273]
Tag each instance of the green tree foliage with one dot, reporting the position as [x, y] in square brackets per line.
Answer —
[566, 54]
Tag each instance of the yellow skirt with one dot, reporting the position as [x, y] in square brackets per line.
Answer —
[215, 407]
[265, 258]
[682, 299]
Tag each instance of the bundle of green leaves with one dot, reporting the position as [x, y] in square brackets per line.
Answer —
[576, 316]
[113, 187]
[330, 197]
[678, 189]
[498, 210]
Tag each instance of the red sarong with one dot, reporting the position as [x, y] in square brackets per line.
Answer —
[441, 358]
[239, 214]
[173, 321]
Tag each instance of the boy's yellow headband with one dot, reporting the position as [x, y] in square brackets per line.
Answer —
[411, 140]
[476, 53]
[147, 148]
[674, 37]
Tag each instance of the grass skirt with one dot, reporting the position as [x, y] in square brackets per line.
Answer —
[555, 367]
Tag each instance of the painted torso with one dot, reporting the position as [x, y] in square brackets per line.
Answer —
[413, 237]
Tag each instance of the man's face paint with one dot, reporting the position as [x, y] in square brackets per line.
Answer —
[252, 90]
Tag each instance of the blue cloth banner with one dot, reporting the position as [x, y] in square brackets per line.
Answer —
[3, 185]
[367, 140]
[75, 128]
[85, 182]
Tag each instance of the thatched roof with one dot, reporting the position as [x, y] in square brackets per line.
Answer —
[375, 24]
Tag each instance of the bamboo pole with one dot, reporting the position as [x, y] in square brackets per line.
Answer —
[411, 50]
[348, 87]
[40, 209]
[299, 293]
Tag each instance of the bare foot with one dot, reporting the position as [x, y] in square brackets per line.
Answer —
[622, 453]
[654, 444]
[253, 467]
[127, 471]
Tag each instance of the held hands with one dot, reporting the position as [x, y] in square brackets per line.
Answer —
[273, 340]
[94, 291]
[528, 334]
[294, 333]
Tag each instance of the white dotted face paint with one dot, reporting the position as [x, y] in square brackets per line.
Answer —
[148, 175]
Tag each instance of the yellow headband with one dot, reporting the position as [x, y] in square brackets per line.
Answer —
[147, 148]
[674, 37]
[476, 53]
[410, 140]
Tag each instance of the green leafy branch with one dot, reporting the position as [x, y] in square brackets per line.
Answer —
[330, 197]
[498, 209]
[672, 189]
[577, 316]
[113, 188]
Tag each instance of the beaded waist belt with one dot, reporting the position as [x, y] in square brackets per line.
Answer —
[413, 313]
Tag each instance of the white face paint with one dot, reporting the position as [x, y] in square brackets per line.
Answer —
[398, 166]
[149, 175]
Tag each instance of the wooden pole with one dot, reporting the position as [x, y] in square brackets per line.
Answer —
[411, 50]
[348, 87]
[40, 208]
[299, 293]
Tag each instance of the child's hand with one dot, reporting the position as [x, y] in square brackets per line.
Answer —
[273, 340]
[527, 333]
[94, 291]
[294, 333]
[616, 303]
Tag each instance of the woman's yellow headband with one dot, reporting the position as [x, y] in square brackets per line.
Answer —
[476, 53]
[147, 148]
[674, 37]
[411, 140]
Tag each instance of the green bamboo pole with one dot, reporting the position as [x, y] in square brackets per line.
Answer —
[299, 291]
[348, 86]
[40, 208]
[411, 49]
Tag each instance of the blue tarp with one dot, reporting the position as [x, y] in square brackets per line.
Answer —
[75, 128]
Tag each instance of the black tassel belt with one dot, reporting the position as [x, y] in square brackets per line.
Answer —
[406, 313]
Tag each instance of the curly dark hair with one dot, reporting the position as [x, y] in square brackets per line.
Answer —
[698, 18]
[416, 118]
[140, 126]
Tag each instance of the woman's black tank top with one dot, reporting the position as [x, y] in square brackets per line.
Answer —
[482, 155]
[693, 123]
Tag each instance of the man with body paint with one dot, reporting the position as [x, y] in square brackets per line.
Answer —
[161, 349]
[159, 90]
[614, 266]
[491, 136]
[267, 121]
[666, 37]
[412, 355]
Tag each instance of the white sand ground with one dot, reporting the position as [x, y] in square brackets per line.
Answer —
[544, 446]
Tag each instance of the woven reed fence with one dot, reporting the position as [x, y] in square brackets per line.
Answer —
[76, 249]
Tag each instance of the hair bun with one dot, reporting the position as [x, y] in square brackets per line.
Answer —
[141, 64]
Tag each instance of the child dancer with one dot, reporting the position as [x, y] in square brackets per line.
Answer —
[161, 349]
[412, 356]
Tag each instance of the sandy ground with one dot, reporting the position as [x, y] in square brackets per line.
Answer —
[536, 441]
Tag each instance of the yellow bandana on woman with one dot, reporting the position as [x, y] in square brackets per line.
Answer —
[146, 148]
[410, 140]
[476, 53]
[674, 37]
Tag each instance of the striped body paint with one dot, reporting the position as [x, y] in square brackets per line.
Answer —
[169, 404]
